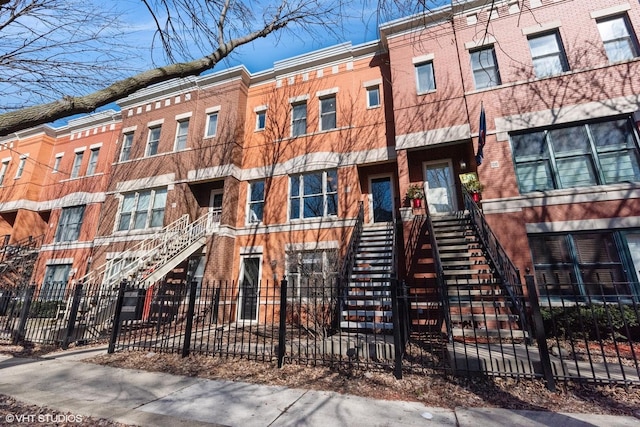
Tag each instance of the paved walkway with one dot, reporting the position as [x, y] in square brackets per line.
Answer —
[65, 383]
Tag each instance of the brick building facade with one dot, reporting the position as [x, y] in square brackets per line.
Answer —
[282, 159]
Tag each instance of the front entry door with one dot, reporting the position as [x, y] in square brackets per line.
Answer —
[440, 192]
[382, 199]
[248, 304]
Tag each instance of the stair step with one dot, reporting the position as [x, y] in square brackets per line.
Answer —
[366, 325]
[491, 333]
[367, 313]
[482, 317]
[378, 302]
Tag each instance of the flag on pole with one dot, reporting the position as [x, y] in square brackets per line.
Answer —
[482, 136]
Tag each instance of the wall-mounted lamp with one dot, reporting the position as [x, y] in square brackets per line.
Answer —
[463, 165]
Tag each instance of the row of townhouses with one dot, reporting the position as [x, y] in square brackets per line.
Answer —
[269, 172]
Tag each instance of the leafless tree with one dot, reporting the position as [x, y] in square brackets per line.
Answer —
[56, 48]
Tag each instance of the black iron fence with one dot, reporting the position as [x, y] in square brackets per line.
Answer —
[574, 337]
[56, 313]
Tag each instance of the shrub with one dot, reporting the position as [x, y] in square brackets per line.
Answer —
[589, 321]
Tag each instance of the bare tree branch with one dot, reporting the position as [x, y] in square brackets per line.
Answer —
[185, 30]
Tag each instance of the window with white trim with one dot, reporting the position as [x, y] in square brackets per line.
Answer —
[312, 273]
[328, 114]
[54, 286]
[596, 153]
[313, 195]
[261, 119]
[77, 162]
[299, 118]
[373, 96]
[485, 68]
[142, 209]
[69, 224]
[547, 54]
[56, 164]
[618, 39]
[93, 161]
[153, 141]
[3, 171]
[181, 135]
[255, 208]
[21, 165]
[212, 124]
[127, 141]
[425, 78]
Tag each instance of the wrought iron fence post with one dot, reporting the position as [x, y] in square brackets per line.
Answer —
[75, 303]
[115, 329]
[541, 338]
[24, 314]
[282, 329]
[397, 338]
[191, 309]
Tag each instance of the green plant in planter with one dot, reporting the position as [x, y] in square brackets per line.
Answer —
[474, 186]
[415, 192]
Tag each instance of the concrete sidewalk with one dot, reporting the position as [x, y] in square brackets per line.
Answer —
[63, 382]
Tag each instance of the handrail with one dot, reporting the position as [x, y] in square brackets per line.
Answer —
[347, 262]
[442, 285]
[179, 233]
[509, 273]
[28, 243]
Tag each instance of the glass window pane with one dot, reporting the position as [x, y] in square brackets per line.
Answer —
[312, 184]
[313, 206]
[160, 199]
[571, 140]
[373, 97]
[127, 203]
[332, 180]
[535, 176]
[426, 81]
[212, 124]
[620, 166]
[295, 185]
[576, 172]
[530, 145]
[613, 134]
[257, 191]
[125, 221]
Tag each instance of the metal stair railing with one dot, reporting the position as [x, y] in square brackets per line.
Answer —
[167, 242]
[348, 261]
[508, 272]
[442, 285]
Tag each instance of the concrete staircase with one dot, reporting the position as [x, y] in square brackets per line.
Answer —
[478, 306]
[367, 301]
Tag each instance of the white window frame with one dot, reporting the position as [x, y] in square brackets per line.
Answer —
[331, 115]
[208, 132]
[55, 289]
[56, 164]
[295, 123]
[297, 196]
[127, 142]
[431, 87]
[21, 165]
[370, 90]
[180, 142]
[301, 258]
[3, 170]
[255, 200]
[93, 161]
[136, 210]
[627, 36]
[261, 120]
[491, 69]
[77, 164]
[153, 142]
[539, 59]
[70, 231]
